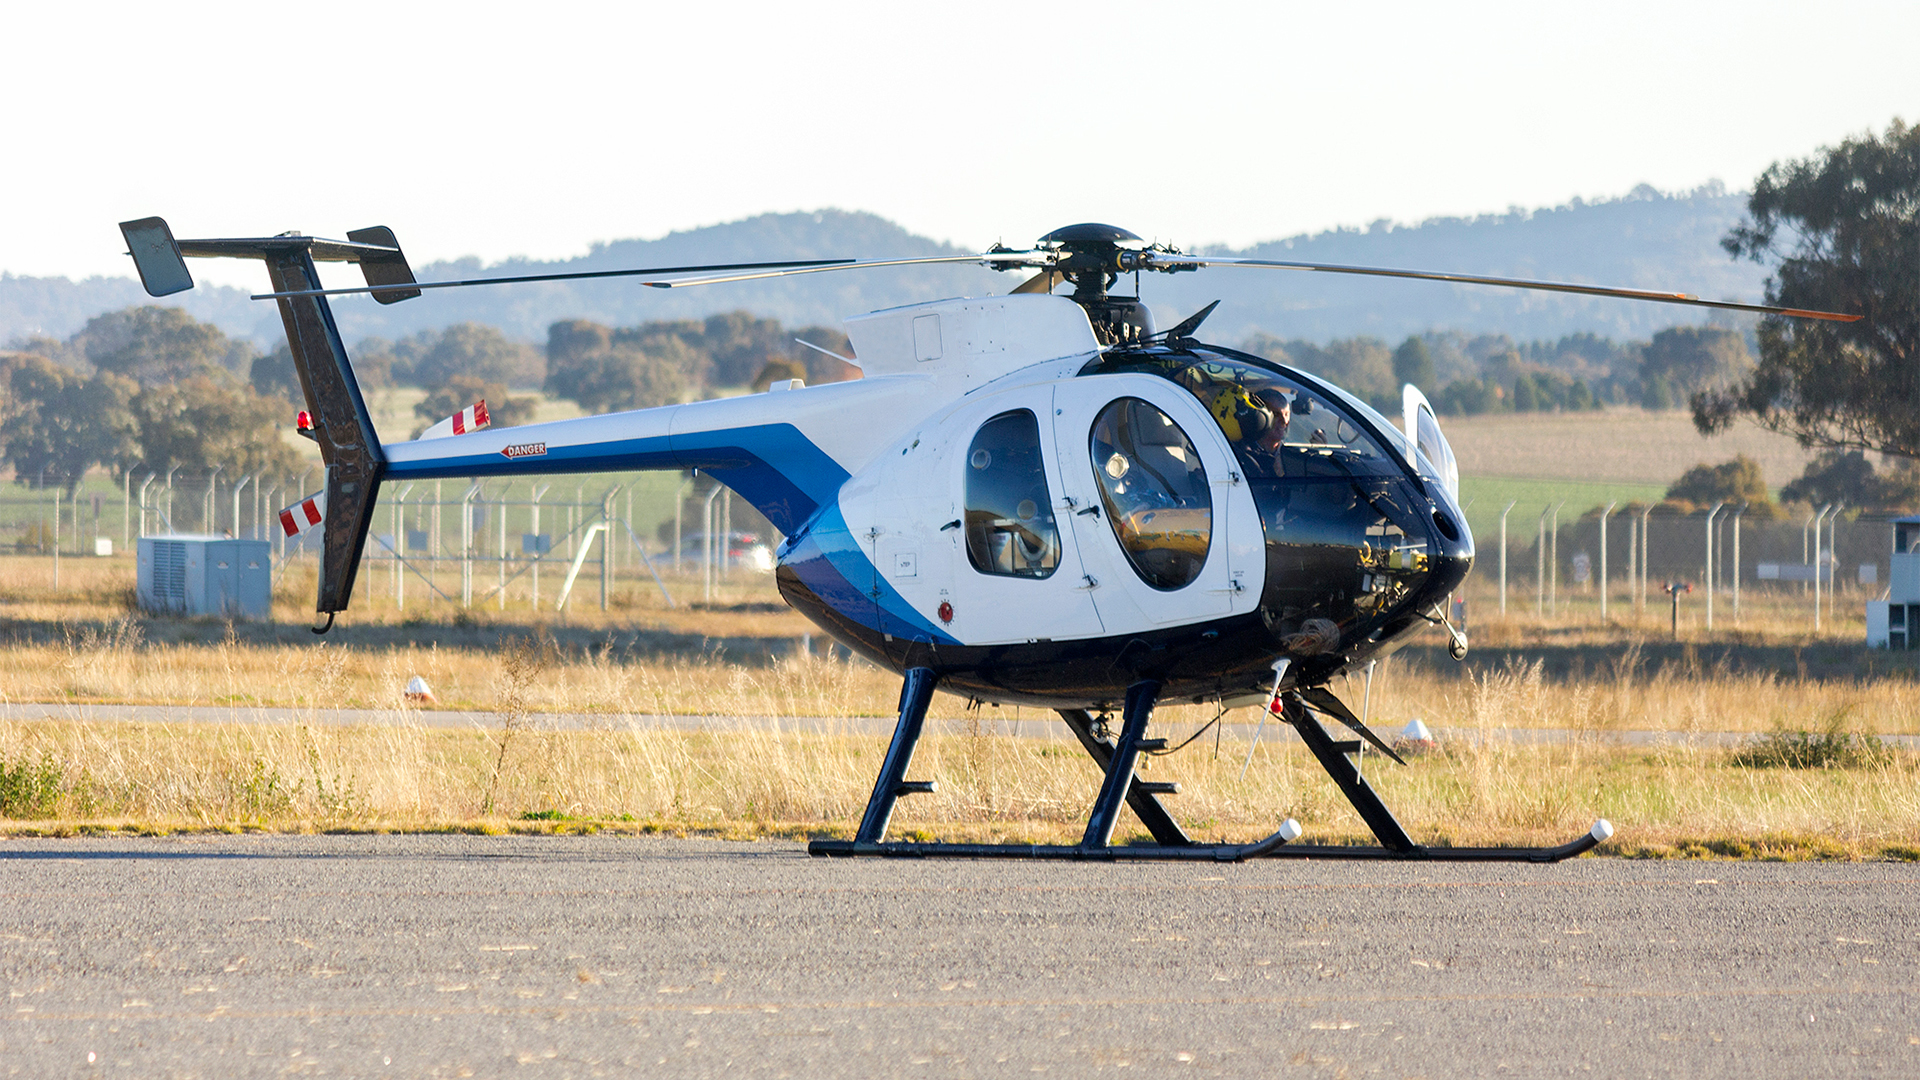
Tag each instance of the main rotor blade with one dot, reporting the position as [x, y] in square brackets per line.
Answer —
[1153, 260]
[1006, 258]
[1323, 700]
[553, 277]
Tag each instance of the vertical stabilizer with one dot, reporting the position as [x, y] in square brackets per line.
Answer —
[340, 421]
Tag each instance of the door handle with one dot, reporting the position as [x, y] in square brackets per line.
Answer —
[1091, 583]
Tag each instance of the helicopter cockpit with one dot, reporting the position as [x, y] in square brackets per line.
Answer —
[1354, 534]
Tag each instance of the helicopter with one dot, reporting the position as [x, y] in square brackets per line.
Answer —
[1032, 498]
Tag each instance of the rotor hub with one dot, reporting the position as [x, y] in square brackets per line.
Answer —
[1091, 257]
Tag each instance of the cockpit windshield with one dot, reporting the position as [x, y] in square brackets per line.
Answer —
[1278, 425]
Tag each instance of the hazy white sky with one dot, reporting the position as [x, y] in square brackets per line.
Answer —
[536, 129]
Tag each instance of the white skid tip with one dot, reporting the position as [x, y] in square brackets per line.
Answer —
[1602, 831]
[1290, 830]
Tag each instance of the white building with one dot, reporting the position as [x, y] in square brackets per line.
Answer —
[1894, 623]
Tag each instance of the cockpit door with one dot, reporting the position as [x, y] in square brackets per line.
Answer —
[1423, 433]
[1150, 489]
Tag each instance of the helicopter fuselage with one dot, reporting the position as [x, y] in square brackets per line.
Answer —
[926, 559]
[1043, 520]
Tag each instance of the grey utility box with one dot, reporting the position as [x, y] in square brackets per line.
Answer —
[206, 575]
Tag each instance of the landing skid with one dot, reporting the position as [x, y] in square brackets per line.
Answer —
[1122, 786]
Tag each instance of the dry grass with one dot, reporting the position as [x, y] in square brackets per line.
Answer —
[792, 775]
[802, 778]
[112, 663]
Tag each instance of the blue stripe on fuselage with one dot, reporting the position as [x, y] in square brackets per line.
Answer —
[828, 560]
[772, 466]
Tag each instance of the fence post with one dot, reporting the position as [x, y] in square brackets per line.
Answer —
[1646, 551]
[1553, 572]
[726, 535]
[1819, 520]
[534, 573]
[503, 545]
[706, 523]
[606, 544]
[466, 544]
[1603, 559]
[1633, 562]
[1736, 563]
[1503, 556]
[1711, 514]
[679, 500]
[237, 489]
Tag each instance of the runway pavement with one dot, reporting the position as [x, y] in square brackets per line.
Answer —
[608, 956]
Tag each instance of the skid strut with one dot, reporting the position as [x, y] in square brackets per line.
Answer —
[1121, 786]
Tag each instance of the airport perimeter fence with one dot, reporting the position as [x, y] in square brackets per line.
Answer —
[1817, 565]
[523, 542]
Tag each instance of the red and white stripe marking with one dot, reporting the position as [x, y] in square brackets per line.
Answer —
[471, 418]
[304, 515]
[465, 422]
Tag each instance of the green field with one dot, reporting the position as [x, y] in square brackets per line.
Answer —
[1483, 497]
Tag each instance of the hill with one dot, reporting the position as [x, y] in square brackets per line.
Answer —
[1646, 239]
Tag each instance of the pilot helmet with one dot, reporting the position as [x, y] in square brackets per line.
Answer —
[1240, 414]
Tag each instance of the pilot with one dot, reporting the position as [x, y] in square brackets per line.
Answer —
[1255, 421]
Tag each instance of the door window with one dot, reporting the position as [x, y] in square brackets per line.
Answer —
[1154, 490]
[1010, 526]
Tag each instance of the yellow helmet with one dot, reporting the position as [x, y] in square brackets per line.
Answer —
[1240, 415]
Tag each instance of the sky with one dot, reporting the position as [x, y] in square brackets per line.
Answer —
[497, 130]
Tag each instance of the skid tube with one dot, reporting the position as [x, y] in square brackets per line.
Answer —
[1121, 786]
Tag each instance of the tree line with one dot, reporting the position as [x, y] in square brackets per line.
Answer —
[153, 388]
[1469, 375]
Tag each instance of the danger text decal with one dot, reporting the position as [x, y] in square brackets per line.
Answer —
[525, 449]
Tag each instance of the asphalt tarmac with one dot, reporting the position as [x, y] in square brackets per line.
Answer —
[610, 956]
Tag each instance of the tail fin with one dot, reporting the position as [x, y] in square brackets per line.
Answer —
[342, 427]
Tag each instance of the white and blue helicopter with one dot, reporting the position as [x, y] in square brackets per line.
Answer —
[1032, 498]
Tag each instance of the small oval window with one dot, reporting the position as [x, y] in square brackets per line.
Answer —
[1155, 491]
[1010, 527]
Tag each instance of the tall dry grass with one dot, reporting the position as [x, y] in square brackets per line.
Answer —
[789, 775]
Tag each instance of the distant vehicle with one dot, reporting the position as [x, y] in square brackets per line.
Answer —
[745, 551]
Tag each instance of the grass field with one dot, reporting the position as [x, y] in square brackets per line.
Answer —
[1809, 782]
[1613, 446]
[1846, 798]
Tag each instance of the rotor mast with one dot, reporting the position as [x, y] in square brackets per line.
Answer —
[1089, 256]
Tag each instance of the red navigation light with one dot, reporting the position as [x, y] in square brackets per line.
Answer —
[304, 421]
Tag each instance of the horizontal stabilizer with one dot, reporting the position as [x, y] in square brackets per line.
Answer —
[472, 418]
[384, 269]
[163, 270]
[161, 259]
[305, 515]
